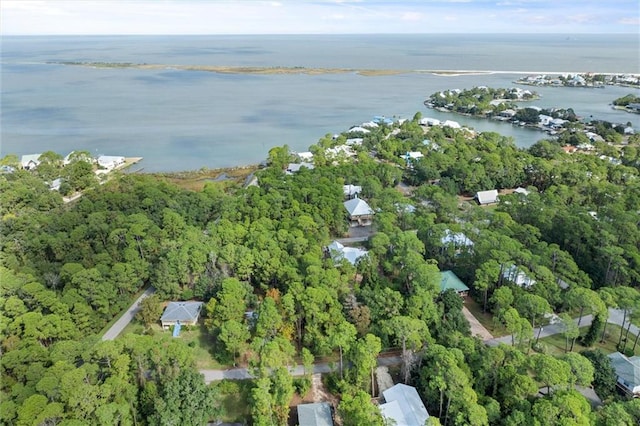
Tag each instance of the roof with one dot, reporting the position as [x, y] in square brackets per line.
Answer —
[294, 167]
[181, 311]
[450, 280]
[30, 158]
[487, 197]
[627, 369]
[318, 414]
[357, 207]
[351, 254]
[351, 190]
[518, 277]
[456, 238]
[521, 190]
[404, 406]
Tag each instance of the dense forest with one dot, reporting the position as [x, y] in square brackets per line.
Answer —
[255, 255]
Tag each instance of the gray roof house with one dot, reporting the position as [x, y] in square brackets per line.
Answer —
[351, 191]
[185, 313]
[628, 372]
[295, 167]
[317, 414]
[360, 214]
[403, 406]
[487, 197]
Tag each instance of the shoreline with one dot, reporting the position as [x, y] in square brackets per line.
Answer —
[263, 70]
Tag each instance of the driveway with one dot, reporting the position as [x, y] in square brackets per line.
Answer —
[127, 316]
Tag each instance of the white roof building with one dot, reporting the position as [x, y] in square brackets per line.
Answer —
[487, 197]
[521, 190]
[354, 141]
[518, 277]
[456, 238]
[428, 121]
[404, 406]
[305, 156]
[30, 161]
[110, 162]
[452, 124]
[351, 254]
[351, 190]
[358, 129]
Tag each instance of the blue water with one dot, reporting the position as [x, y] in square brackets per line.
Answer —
[181, 120]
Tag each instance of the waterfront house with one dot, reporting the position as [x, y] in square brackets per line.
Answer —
[183, 313]
[627, 372]
[487, 197]
[428, 121]
[110, 162]
[359, 129]
[360, 214]
[30, 161]
[403, 406]
[305, 156]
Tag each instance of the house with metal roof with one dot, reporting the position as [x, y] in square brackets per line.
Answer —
[317, 414]
[30, 161]
[184, 313]
[351, 191]
[487, 197]
[403, 406]
[295, 167]
[450, 280]
[457, 239]
[360, 214]
[628, 373]
[338, 252]
[518, 277]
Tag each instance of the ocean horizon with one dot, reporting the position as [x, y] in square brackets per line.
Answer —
[189, 119]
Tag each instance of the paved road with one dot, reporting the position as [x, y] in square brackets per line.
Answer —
[298, 370]
[128, 315]
[615, 317]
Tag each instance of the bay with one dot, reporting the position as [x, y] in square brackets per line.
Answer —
[178, 119]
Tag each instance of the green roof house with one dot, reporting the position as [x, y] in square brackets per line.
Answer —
[450, 280]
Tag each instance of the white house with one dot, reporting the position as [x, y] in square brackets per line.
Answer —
[458, 239]
[428, 121]
[351, 191]
[338, 252]
[520, 190]
[518, 277]
[305, 156]
[110, 162]
[452, 124]
[359, 129]
[487, 197]
[30, 161]
[403, 406]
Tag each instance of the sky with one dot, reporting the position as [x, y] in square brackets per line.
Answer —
[111, 17]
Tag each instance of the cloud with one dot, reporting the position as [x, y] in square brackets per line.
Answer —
[412, 16]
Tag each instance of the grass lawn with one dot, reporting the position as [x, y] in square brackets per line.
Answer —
[556, 343]
[486, 319]
[194, 337]
[234, 397]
